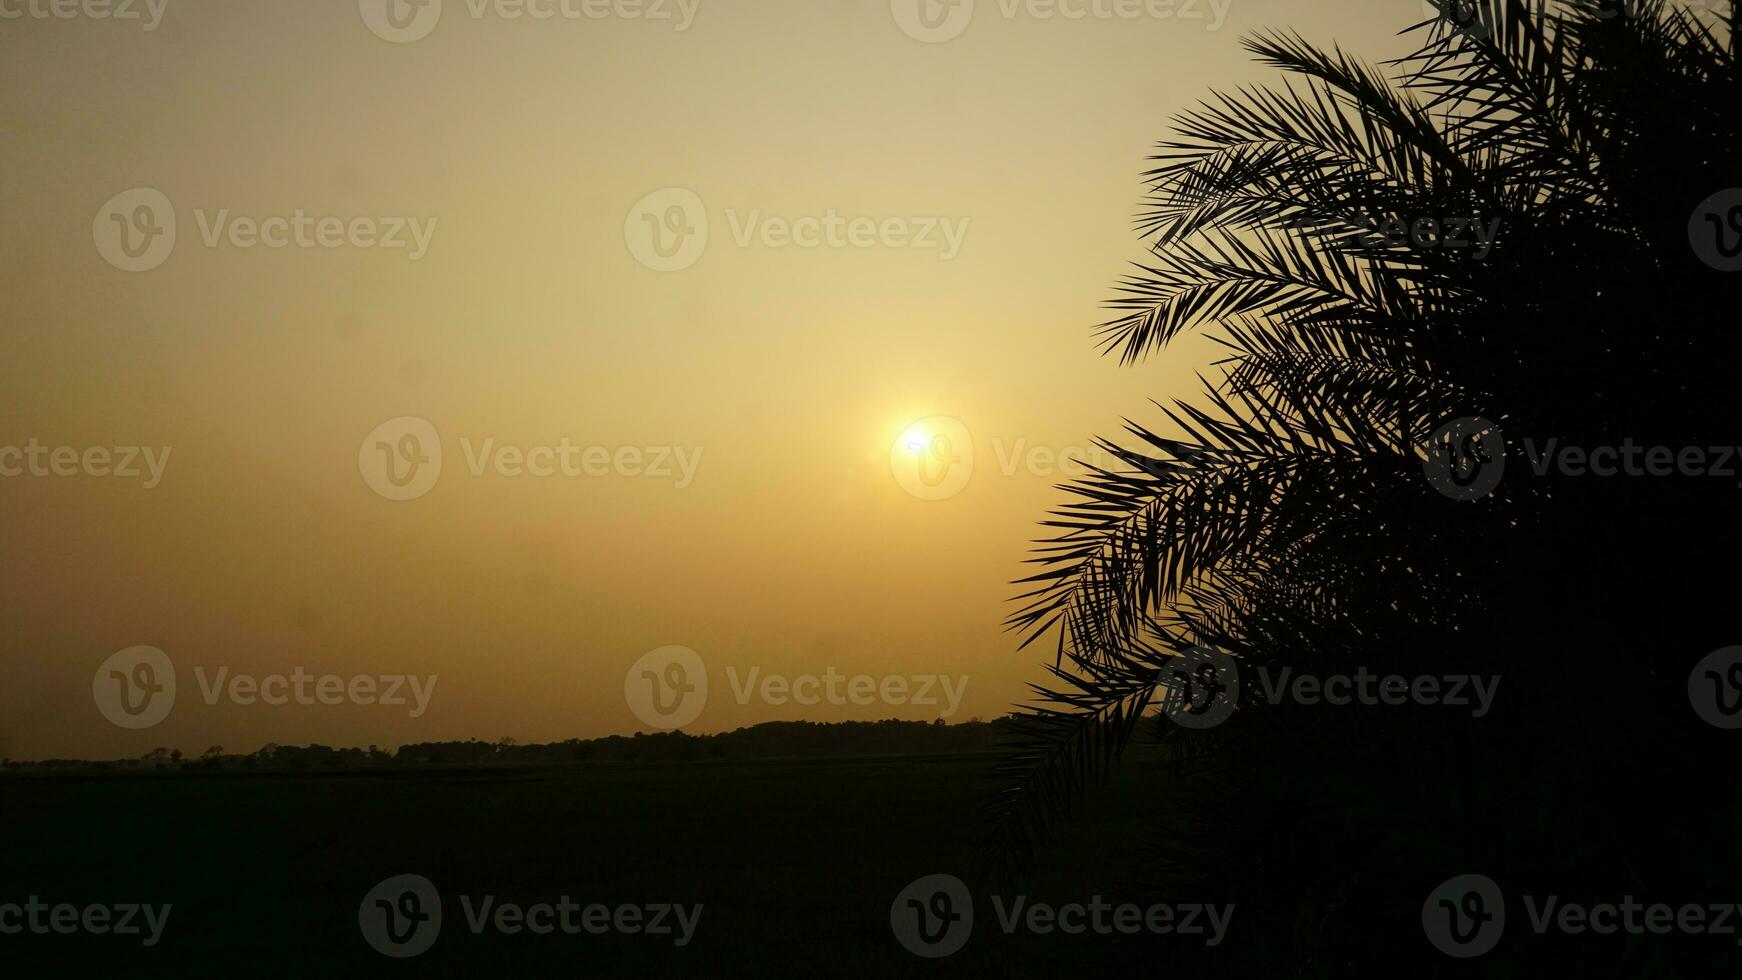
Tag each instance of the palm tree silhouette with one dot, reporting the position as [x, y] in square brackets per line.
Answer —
[1427, 282]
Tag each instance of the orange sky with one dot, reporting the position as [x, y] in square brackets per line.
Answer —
[895, 230]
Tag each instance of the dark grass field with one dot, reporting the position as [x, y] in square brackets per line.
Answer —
[795, 863]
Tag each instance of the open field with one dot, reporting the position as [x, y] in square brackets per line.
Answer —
[796, 865]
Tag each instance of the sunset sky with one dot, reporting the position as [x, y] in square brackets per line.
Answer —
[530, 152]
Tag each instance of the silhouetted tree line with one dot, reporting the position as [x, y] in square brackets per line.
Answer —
[770, 740]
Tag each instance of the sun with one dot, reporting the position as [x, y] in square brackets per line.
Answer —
[916, 438]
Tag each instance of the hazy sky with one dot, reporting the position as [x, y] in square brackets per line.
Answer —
[997, 169]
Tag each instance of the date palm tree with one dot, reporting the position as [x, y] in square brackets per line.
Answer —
[1512, 241]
